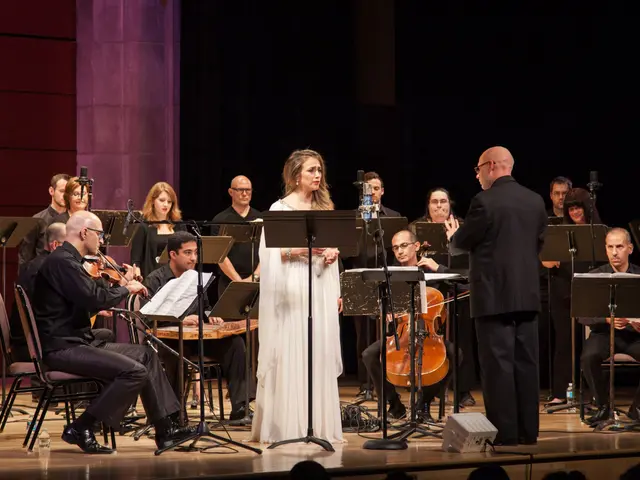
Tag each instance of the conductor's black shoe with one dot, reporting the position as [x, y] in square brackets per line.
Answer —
[85, 439]
[601, 415]
[168, 437]
[466, 400]
[527, 441]
[239, 413]
[507, 442]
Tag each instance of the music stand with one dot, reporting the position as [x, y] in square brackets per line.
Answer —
[113, 223]
[310, 229]
[240, 301]
[634, 228]
[606, 295]
[369, 241]
[573, 243]
[214, 250]
[435, 236]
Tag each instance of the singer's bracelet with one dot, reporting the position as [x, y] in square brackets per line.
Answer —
[288, 254]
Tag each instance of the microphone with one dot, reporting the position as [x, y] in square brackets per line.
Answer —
[593, 184]
[367, 202]
[359, 179]
[127, 220]
[83, 180]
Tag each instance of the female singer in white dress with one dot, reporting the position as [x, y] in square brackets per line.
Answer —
[281, 399]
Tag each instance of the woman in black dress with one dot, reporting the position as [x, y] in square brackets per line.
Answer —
[150, 240]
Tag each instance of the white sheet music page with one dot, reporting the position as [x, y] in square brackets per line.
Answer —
[176, 296]
[606, 275]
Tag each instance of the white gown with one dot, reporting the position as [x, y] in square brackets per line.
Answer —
[281, 399]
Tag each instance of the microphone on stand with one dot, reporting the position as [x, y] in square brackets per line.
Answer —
[367, 206]
[83, 180]
[127, 220]
[593, 184]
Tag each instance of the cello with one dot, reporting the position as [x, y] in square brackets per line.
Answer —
[433, 363]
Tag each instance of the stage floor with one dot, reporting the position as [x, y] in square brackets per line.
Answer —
[564, 444]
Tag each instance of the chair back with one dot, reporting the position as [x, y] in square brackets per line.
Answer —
[28, 320]
[133, 303]
[5, 334]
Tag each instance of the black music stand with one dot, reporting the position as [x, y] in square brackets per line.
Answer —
[113, 225]
[309, 229]
[12, 231]
[240, 301]
[573, 243]
[210, 250]
[434, 237]
[368, 241]
[606, 295]
[249, 232]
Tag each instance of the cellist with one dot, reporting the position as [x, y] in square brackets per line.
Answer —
[405, 247]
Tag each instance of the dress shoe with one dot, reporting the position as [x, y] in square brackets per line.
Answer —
[170, 436]
[240, 413]
[85, 439]
[527, 441]
[466, 400]
[601, 415]
[507, 442]
[397, 410]
[634, 412]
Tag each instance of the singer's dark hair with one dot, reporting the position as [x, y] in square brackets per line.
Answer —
[178, 239]
[560, 181]
[579, 197]
[373, 176]
[57, 177]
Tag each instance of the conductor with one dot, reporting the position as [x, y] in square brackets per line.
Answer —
[503, 233]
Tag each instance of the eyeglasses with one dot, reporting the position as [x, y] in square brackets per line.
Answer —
[477, 169]
[402, 246]
[242, 190]
[100, 233]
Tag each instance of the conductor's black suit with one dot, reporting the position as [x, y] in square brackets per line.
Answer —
[503, 233]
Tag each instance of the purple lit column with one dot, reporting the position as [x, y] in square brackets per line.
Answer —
[128, 96]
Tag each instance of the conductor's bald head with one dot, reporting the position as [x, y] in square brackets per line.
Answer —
[84, 231]
[494, 163]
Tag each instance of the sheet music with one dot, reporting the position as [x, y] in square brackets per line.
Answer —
[176, 296]
[606, 275]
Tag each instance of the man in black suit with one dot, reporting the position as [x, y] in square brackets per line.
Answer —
[368, 260]
[503, 233]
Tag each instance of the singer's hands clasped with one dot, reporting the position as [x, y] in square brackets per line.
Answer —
[330, 255]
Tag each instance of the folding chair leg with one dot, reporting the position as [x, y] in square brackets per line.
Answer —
[105, 433]
[41, 421]
[6, 408]
[113, 438]
[44, 394]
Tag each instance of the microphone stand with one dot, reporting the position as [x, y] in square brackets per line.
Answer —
[202, 430]
[385, 443]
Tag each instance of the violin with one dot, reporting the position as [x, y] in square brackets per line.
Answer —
[435, 364]
[104, 266]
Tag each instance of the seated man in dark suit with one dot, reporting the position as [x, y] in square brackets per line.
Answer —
[627, 331]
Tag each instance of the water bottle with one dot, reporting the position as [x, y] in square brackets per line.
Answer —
[570, 398]
[44, 440]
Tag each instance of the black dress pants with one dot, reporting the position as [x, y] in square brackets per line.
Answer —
[371, 358]
[126, 370]
[596, 350]
[361, 323]
[508, 354]
[229, 352]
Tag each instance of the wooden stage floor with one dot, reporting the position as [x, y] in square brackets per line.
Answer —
[564, 444]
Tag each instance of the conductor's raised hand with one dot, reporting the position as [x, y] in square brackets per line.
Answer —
[136, 287]
[451, 226]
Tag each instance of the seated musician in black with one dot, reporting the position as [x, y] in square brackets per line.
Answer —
[627, 331]
[66, 299]
[405, 246]
[183, 255]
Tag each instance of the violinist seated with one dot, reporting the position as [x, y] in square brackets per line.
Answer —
[405, 247]
[66, 298]
[627, 332]
[230, 352]
[54, 237]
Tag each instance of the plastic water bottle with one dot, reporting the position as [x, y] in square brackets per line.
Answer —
[570, 398]
[44, 440]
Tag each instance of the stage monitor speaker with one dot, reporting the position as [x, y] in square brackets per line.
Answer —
[467, 432]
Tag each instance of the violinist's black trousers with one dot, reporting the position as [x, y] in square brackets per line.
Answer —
[508, 355]
[126, 370]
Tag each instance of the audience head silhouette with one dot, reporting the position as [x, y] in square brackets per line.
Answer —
[308, 470]
[489, 472]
